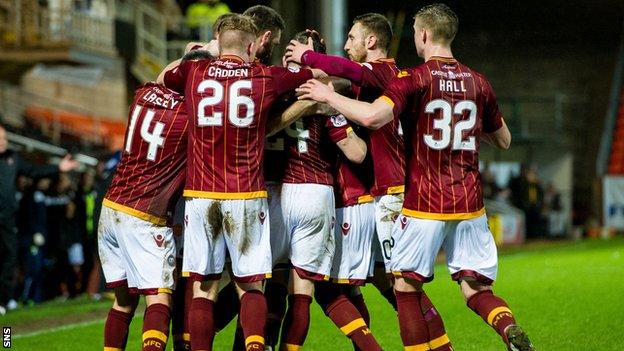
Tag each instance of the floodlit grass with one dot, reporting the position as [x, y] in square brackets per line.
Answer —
[567, 296]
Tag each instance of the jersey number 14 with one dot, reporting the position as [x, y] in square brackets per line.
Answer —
[154, 139]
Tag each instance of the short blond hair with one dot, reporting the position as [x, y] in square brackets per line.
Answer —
[440, 20]
[236, 31]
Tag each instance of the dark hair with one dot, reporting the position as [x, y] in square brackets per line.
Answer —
[378, 25]
[265, 18]
[303, 36]
[197, 55]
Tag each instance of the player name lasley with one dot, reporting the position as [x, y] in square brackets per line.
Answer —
[164, 102]
[452, 86]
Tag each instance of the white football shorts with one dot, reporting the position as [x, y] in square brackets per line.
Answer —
[387, 210]
[468, 244]
[309, 217]
[239, 226]
[136, 252]
[280, 241]
[354, 233]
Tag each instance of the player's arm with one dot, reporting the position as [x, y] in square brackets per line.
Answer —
[295, 111]
[370, 115]
[170, 67]
[500, 138]
[304, 54]
[353, 147]
[173, 76]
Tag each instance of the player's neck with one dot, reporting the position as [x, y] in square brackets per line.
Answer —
[244, 56]
[439, 51]
[375, 55]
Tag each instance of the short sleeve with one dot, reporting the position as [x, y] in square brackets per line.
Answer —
[492, 117]
[287, 79]
[401, 90]
[175, 79]
[338, 128]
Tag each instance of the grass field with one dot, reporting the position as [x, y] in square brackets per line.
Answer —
[568, 296]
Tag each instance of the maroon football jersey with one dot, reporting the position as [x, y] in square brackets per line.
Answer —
[385, 145]
[446, 107]
[351, 181]
[151, 172]
[310, 153]
[228, 102]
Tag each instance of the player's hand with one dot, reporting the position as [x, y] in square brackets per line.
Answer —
[194, 45]
[295, 50]
[67, 164]
[212, 47]
[315, 90]
[326, 110]
[313, 33]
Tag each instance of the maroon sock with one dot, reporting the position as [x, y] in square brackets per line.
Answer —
[276, 295]
[360, 305]
[116, 329]
[253, 313]
[201, 324]
[344, 315]
[156, 327]
[296, 322]
[179, 312]
[438, 339]
[390, 297]
[226, 307]
[493, 310]
[414, 331]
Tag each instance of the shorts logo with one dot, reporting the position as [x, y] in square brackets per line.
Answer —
[345, 228]
[159, 239]
[262, 217]
[403, 222]
[395, 216]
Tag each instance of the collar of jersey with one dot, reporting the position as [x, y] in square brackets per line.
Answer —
[232, 57]
[443, 59]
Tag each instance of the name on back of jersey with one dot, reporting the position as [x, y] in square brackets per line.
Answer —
[168, 102]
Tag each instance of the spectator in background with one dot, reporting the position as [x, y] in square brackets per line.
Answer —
[490, 189]
[201, 15]
[528, 196]
[11, 165]
[553, 211]
[36, 239]
[56, 200]
[86, 200]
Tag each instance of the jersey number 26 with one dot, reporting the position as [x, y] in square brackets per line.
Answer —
[235, 99]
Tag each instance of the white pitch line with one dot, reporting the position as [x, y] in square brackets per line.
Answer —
[56, 329]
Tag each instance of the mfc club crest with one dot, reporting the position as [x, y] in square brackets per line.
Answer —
[403, 222]
[345, 228]
[262, 217]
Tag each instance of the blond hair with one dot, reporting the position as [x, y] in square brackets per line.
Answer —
[236, 32]
[440, 20]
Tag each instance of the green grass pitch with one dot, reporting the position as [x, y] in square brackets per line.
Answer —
[567, 296]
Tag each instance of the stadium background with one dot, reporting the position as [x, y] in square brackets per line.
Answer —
[68, 70]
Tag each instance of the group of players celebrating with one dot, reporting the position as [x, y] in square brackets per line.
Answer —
[302, 188]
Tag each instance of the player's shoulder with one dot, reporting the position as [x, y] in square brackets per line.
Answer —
[381, 64]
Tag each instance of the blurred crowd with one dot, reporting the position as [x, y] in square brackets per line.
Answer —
[541, 205]
[49, 235]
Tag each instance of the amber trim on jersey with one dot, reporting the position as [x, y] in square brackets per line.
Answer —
[225, 196]
[364, 199]
[392, 190]
[442, 216]
[349, 130]
[135, 213]
[387, 100]
[353, 282]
